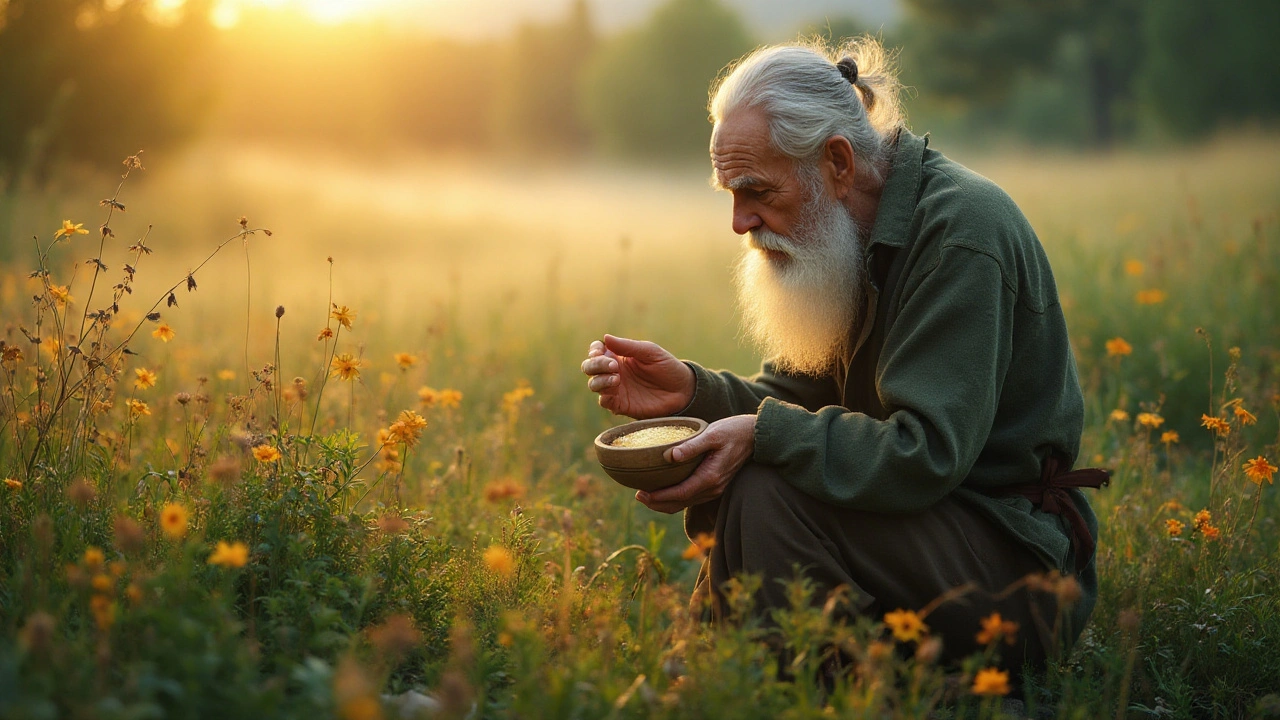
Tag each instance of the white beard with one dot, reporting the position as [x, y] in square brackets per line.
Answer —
[801, 310]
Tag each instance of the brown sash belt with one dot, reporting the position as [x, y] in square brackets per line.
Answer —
[1050, 495]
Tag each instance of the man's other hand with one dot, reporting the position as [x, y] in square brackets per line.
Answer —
[728, 444]
[637, 378]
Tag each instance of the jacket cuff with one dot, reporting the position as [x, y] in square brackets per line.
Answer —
[703, 404]
[771, 418]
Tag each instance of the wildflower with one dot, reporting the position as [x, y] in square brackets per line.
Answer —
[511, 400]
[990, 681]
[163, 332]
[452, 398]
[104, 611]
[1216, 424]
[502, 489]
[61, 294]
[1117, 347]
[137, 407]
[1201, 519]
[134, 593]
[1169, 437]
[266, 453]
[1150, 420]
[94, 558]
[230, 555]
[13, 484]
[1244, 416]
[173, 520]
[1133, 268]
[995, 627]
[345, 367]
[698, 549]
[101, 583]
[344, 315]
[1151, 297]
[407, 428]
[1173, 527]
[325, 334]
[405, 360]
[69, 228]
[1257, 470]
[428, 396]
[498, 559]
[1119, 415]
[1211, 532]
[145, 378]
[905, 624]
[10, 355]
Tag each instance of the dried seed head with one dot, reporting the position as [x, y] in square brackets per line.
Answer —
[81, 492]
[279, 311]
[129, 535]
[182, 398]
[244, 222]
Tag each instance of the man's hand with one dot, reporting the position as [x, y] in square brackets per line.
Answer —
[729, 444]
[637, 379]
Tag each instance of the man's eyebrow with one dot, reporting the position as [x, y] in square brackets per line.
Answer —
[738, 183]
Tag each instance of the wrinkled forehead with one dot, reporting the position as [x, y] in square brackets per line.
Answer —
[741, 147]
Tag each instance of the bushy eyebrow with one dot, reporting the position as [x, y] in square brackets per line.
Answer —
[738, 183]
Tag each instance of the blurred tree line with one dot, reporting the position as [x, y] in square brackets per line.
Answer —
[94, 80]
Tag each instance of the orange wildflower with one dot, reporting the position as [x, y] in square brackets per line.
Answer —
[1150, 420]
[990, 681]
[1244, 416]
[231, 555]
[173, 520]
[344, 315]
[1258, 469]
[69, 228]
[266, 453]
[1151, 297]
[1118, 347]
[1216, 424]
[905, 624]
[163, 332]
[499, 560]
[1169, 437]
[145, 378]
[405, 360]
[1173, 527]
[995, 627]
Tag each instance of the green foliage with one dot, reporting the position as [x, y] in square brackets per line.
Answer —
[645, 94]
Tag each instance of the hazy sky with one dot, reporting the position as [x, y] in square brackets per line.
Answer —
[473, 18]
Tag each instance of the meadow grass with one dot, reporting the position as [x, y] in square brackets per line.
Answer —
[276, 534]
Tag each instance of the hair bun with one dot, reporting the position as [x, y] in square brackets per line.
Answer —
[848, 68]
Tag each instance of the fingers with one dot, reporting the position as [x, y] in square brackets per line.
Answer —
[600, 383]
[599, 365]
[693, 447]
[642, 350]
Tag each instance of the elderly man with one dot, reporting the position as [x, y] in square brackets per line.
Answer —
[910, 433]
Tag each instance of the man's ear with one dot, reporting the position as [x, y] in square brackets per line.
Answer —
[840, 165]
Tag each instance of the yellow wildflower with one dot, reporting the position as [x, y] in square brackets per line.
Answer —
[1119, 415]
[990, 681]
[499, 560]
[266, 453]
[1133, 268]
[163, 332]
[1173, 527]
[145, 378]
[1244, 416]
[405, 360]
[1258, 469]
[101, 583]
[407, 428]
[1150, 420]
[344, 315]
[231, 555]
[1151, 297]
[698, 549]
[995, 627]
[173, 520]
[325, 334]
[69, 228]
[451, 398]
[905, 624]
[1118, 347]
[1216, 424]
[345, 366]
[61, 294]
[428, 396]
[1169, 437]
[14, 484]
[94, 558]
[137, 407]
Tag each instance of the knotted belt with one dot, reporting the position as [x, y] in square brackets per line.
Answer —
[1051, 496]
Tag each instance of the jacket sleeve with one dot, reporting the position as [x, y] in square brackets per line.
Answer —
[938, 378]
[720, 394]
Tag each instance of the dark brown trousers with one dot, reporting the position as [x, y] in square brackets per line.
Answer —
[764, 526]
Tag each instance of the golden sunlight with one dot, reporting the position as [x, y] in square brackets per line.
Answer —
[228, 13]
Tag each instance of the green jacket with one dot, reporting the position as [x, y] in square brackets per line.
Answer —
[962, 385]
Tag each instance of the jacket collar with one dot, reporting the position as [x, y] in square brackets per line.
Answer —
[901, 192]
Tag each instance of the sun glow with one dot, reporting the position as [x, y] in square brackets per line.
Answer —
[228, 13]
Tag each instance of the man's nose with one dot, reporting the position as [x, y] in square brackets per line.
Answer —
[745, 218]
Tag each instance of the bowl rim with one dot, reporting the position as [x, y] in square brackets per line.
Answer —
[603, 439]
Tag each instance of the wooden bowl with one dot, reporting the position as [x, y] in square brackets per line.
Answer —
[643, 468]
